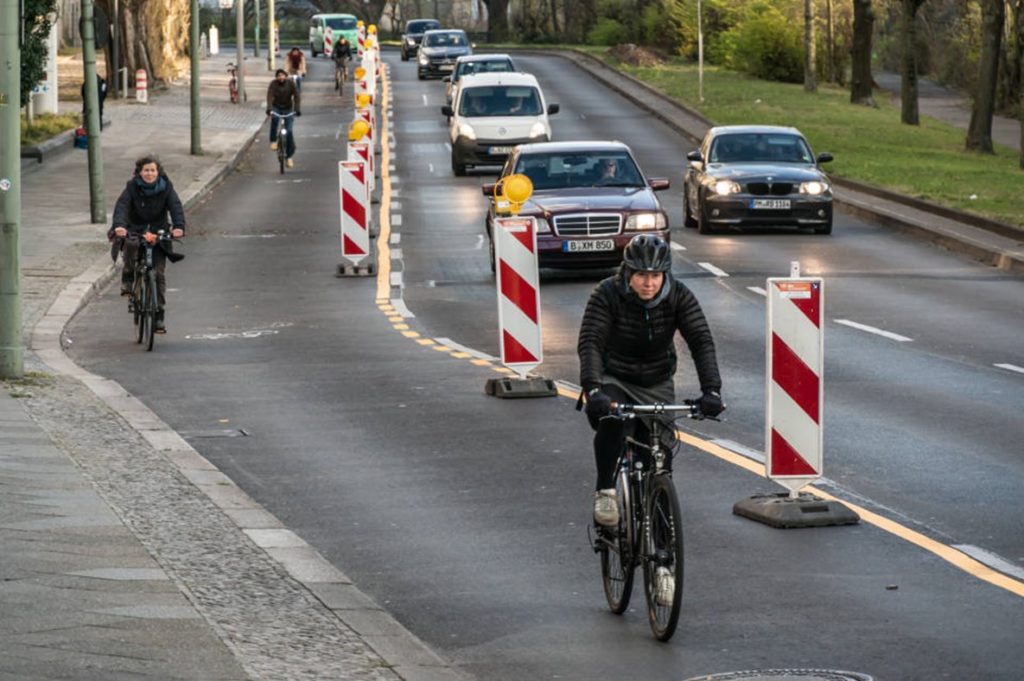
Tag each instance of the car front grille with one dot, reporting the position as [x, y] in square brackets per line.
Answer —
[588, 224]
[772, 189]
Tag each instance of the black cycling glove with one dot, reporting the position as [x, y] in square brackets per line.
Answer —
[710, 403]
[598, 404]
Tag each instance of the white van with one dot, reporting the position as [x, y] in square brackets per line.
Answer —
[491, 114]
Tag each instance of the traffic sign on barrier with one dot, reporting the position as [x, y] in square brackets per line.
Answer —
[515, 252]
[360, 151]
[355, 210]
[794, 387]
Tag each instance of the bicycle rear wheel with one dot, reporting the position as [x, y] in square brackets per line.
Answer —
[663, 567]
[149, 317]
[617, 554]
[138, 305]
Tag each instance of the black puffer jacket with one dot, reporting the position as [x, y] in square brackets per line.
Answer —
[139, 213]
[633, 340]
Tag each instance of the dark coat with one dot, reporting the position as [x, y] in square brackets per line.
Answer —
[139, 213]
[281, 95]
[634, 341]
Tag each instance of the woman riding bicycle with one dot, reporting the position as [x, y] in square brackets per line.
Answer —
[627, 352]
[342, 54]
[141, 212]
[295, 62]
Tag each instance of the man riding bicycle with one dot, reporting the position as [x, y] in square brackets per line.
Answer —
[627, 353]
[342, 55]
[282, 98]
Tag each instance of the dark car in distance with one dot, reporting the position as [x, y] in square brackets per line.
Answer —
[439, 50]
[413, 35]
[589, 200]
[758, 175]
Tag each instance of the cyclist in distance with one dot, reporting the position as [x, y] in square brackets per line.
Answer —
[295, 61]
[142, 211]
[342, 55]
[283, 98]
[627, 353]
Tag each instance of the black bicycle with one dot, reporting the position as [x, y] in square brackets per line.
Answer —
[650, 532]
[144, 302]
[282, 138]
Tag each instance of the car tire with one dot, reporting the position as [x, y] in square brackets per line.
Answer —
[420, 75]
[825, 229]
[405, 56]
[688, 219]
[703, 226]
[312, 49]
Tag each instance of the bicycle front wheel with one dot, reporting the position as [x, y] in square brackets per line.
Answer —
[617, 554]
[282, 148]
[138, 306]
[149, 317]
[663, 564]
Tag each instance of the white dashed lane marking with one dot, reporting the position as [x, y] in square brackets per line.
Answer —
[677, 247]
[1011, 367]
[713, 270]
[871, 329]
[758, 290]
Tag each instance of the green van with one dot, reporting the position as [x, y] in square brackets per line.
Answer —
[339, 25]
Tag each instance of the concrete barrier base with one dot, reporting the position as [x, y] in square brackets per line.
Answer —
[520, 387]
[806, 510]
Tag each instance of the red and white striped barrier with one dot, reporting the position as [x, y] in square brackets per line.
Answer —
[328, 42]
[141, 87]
[361, 151]
[515, 253]
[355, 210]
[795, 387]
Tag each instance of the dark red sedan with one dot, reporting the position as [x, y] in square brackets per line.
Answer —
[589, 199]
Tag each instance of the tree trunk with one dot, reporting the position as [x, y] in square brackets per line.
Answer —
[830, 43]
[554, 17]
[497, 20]
[908, 38]
[1018, 21]
[860, 54]
[979, 132]
[810, 57]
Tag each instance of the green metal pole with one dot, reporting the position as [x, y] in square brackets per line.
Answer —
[97, 211]
[193, 51]
[240, 48]
[256, 44]
[12, 363]
[271, 34]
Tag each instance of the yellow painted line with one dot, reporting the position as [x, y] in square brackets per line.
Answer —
[400, 327]
[396, 318]
[461, 355]
[947, 553]
[386, 307]
[411, 334]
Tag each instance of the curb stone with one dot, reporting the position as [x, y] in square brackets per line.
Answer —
[1005, 251]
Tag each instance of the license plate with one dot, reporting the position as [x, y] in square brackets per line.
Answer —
[499, 151]
[769, 204]
[447, 67]
[588, 246]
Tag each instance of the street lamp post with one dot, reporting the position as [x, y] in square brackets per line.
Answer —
[193, 51]
[11, 352]
[700, 52]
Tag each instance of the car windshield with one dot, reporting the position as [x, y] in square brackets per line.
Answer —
[759, 148]
[482, 66]
[500, 100]
[422, 26]
[341, 23]
[444, 40]
[580, 169]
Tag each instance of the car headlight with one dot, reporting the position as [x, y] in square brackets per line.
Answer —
[542, 226]
[538, 130]
[813, 188]
[423, 59]
[466, 130]
[723, 187]
[410, 41]
[645, 222]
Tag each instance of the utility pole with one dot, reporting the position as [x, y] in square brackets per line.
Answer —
[97, 211]
[256, 45]
[193, 52]
[240, 39]
[271, 36]
[12, 363]
[114, 68]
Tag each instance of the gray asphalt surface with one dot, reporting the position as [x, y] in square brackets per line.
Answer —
[466, 516]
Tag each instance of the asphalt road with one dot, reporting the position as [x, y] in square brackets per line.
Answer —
[466, 516]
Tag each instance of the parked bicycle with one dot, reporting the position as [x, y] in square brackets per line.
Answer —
[282, 138]
[144, 302]
[649, 534]
[233, 83]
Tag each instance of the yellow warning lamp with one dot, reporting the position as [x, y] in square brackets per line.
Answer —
[511, 193]
[363, 100]
[360, 24]
[358, 130]
[368, 43]
[372, 29]
[360, 73]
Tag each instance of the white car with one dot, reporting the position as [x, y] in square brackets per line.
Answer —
[491, 114]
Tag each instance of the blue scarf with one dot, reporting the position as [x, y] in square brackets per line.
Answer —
[151, 190]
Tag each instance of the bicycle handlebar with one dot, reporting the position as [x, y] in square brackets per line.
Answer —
[287, 115]
[689, 409]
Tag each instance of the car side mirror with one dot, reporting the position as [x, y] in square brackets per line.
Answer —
[552, 109]
[447, 110]
[694, 157]
[446, 79]
[488, 189]
[824, 157]
[658, 183]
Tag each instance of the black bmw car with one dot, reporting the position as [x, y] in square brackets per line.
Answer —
[439, 50]
[759, 175]
[413, 35]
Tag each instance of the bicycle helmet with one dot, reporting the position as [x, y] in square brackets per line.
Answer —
[647, 253]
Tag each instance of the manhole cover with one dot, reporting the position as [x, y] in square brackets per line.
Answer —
[785, 675]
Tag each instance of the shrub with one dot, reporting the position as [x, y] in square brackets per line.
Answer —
[768, 45]
[46, 126]
[606, 32]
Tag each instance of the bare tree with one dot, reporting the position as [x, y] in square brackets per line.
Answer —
[497, 20]
[979, 132]
[860, 53]
[810, 58]
[830, 42]
[908, 63]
